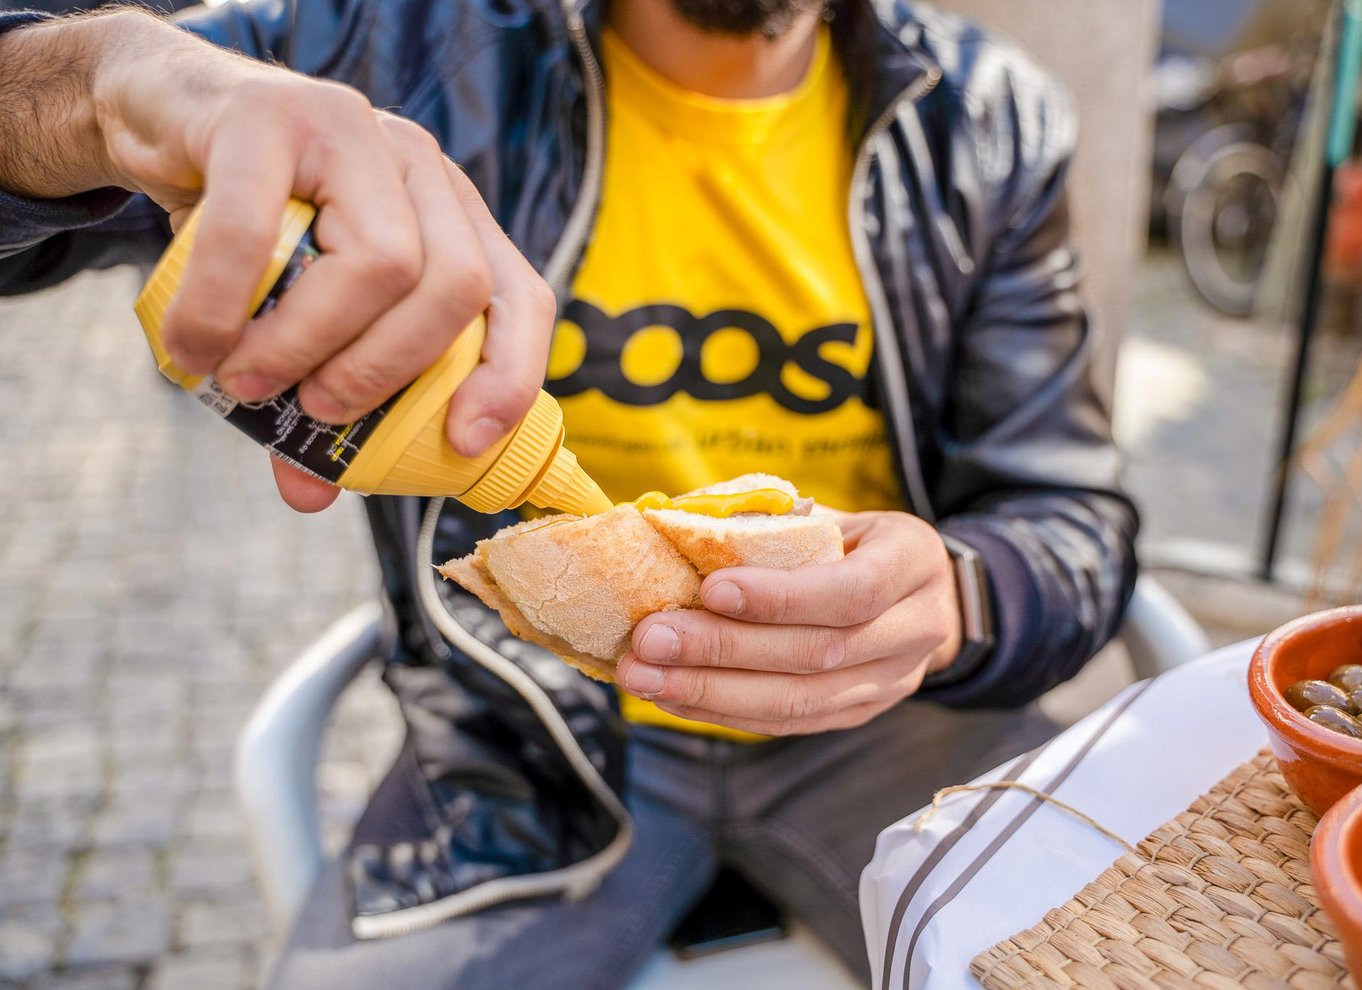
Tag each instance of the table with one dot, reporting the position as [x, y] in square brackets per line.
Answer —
[990, 863]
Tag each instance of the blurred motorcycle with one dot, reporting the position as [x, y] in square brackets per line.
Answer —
[1224, 134]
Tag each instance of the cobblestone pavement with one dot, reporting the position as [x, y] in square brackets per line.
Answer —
[152, 584]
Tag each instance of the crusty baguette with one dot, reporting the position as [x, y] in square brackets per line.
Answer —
[472, 573]
[749, 540]
[578, 586]
[590, 581]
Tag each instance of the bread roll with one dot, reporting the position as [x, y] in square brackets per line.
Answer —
[749, 541]
[578, 586]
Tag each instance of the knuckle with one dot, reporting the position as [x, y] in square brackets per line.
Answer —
[283, 361]
[469, 286]
[779, 603]
[356, 382]
[823, 648]
[720, 646]
[393, 265]
[513, 396]
[696, 690]
[794, 703]
[539, 294]
[863, 594]
[411, 137]
[345, 100]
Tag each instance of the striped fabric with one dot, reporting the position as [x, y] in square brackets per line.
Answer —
[990, 863]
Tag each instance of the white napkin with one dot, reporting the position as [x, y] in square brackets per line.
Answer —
[932, 900]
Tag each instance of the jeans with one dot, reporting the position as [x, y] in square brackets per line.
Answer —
[797, 816]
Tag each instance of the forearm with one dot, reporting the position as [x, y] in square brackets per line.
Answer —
[57, 79]
[50, 143]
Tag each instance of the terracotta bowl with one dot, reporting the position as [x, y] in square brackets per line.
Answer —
[1319, 765]
[1336, 864]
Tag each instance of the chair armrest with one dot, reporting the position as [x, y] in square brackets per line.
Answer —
[276, 759]
[1159, 634]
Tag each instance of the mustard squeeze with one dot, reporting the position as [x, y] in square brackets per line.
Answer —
[400, 448]
[772, 501]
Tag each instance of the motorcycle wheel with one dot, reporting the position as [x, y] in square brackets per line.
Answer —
[1225, 224]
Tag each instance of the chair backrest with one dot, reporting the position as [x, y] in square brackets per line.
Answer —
[1103, 51]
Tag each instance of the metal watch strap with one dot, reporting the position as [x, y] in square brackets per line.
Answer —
[976, 615]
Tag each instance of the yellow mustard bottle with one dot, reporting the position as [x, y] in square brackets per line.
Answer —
[400, 448]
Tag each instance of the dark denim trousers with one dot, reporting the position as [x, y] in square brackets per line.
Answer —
[797, 816]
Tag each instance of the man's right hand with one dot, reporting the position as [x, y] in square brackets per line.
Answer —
[411, 253]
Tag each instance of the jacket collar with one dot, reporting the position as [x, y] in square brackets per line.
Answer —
[879, 43]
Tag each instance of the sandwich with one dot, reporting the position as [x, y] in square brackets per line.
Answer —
[577, 585]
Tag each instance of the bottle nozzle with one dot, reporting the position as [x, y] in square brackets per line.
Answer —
[567, 487]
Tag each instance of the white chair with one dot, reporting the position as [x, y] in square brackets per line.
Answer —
[276, 763]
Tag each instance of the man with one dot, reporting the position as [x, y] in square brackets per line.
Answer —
[822, 241]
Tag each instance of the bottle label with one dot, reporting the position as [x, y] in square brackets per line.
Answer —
[279, 424]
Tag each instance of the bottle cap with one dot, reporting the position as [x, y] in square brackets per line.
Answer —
[534, 466]
[164, 284]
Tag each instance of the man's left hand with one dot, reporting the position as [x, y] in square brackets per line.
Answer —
[820, 647]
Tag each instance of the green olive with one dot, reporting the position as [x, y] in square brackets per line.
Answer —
[1333, 718]
[1348, 677]
[1308, 694]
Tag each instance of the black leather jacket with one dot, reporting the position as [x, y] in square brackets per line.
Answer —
[982, 366]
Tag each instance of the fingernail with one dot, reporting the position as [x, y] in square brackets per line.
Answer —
[481, 435]
[834, 656]
[660, 642]
[724, 597]
[644, 679]
[321, 404]
[249, 387]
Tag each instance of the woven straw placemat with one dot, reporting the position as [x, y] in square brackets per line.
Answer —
[1218, 897]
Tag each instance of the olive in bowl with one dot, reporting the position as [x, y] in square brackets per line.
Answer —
[1336, 867]
[1320, 764]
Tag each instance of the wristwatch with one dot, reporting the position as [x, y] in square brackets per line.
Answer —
[976, 615]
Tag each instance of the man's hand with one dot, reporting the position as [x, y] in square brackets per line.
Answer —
[827, 646]
[411, 253]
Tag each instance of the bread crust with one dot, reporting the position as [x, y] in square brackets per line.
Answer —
[579, 585]
[782, 541]
[590, 581]
[471, 573]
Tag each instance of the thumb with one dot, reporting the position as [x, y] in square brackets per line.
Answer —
[300, 490]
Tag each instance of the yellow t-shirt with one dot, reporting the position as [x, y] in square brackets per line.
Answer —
[717, 323]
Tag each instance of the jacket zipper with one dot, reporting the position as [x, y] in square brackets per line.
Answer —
[580, 879]
[575, 881]
[890, 356]
[583, 215]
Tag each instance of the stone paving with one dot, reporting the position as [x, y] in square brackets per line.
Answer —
[152, 584]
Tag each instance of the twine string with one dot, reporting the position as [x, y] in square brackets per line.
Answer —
[1015, 785]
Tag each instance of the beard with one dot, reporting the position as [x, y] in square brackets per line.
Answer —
[743, 17]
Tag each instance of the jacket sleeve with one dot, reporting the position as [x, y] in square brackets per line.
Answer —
[43, 242]
[1029, 475]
